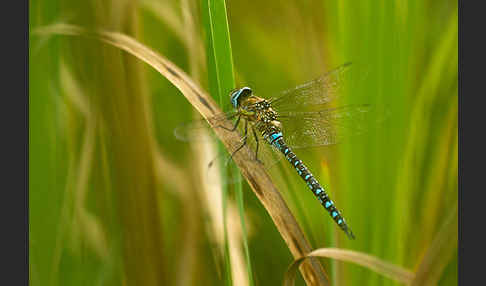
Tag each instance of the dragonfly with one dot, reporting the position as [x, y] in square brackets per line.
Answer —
[296, 118]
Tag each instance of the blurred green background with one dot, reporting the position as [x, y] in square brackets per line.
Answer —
[115, 199]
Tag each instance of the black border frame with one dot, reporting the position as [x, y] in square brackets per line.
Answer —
[14, 118]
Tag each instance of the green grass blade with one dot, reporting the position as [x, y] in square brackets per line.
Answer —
[215, 79]
[221, 77]
[220, 59]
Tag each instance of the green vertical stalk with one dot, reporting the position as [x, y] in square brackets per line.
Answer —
[221, 82]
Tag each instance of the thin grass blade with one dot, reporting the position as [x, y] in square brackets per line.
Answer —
[221, 79]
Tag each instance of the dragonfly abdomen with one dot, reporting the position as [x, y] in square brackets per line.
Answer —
[276, 139]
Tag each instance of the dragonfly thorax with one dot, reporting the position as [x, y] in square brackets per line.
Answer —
[256, 110]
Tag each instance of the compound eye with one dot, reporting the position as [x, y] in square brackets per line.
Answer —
[239, 94]
[245, 92]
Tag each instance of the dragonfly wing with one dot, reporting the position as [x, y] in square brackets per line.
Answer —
[325, 127]
[191, 131]
[319, 91]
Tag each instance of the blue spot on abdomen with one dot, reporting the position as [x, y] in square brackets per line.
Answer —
[274, 137]
[328, 204]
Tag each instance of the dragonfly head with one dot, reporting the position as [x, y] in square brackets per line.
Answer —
[239, 94]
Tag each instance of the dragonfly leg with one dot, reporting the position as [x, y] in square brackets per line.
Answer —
[234, 127]
[257, 144]
[244, 139]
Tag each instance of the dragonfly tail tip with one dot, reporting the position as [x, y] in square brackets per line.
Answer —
[349, 233]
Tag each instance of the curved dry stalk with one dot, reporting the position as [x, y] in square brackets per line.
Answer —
[254, 173]
[385, 268]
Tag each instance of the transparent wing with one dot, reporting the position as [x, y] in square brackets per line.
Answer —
[325, 127]
[190, 131]
[200, 131]
[319, 91]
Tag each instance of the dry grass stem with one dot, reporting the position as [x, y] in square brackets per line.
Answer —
[385, 268]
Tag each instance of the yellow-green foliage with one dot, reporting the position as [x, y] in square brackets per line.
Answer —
[115, 199]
